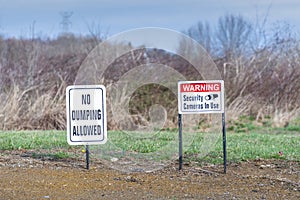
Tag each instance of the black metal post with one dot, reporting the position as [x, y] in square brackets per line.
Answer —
[180, 140]
[224, 141]
[87, 156]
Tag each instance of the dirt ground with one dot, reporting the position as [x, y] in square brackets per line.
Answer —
[26, 177]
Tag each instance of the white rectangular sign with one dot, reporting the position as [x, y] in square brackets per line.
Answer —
[86, 114]
[196, 97]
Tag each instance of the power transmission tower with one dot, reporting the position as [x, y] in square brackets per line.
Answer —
[66, 23]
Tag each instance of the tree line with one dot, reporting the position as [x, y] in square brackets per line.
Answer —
[260, 67]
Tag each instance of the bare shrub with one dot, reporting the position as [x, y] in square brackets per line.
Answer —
[268, 74]
[33, 81]
[19, 111]
[261, 75]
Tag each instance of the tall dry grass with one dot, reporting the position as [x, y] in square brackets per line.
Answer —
[33, 78]
[265, 84]
[22, 110]
[35, 73]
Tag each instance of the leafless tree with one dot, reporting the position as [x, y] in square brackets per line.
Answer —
[232, 35]
[201, 33]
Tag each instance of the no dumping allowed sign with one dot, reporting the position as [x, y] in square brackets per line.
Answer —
[196, 97]
[86, 114]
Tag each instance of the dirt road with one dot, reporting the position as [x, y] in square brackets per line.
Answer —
[25, 177]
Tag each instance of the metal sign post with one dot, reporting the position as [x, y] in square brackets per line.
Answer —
[224, 142]
[180, 140]
[87, 157]
[86, 116]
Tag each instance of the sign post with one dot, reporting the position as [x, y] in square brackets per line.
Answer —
[200, 97]
[224, 142]
[86, 115]
[180, 140]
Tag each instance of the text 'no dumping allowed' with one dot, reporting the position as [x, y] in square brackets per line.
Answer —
[86, 114]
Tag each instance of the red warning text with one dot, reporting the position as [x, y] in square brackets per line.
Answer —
[200, 87]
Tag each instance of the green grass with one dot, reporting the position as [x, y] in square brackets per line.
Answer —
[241, 146]
[142, 144]
[52, 143]
[13, 140]
[52, 156]
[250, 146]
[245, 141]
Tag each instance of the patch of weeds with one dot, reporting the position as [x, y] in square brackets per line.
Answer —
[51, 156]
[61, 155]
[242, 125]
[293, 128]
[294, 125]
[169, 129]
[278, 156]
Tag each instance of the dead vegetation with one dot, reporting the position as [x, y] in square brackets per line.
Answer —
[261, 78]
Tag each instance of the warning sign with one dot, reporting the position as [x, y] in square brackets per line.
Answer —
[86, 114]
[201, 97]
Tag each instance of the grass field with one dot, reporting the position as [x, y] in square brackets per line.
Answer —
[265, 143]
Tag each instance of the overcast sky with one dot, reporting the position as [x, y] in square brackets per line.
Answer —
[18, 17]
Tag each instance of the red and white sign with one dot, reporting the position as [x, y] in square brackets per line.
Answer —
[201, 97]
